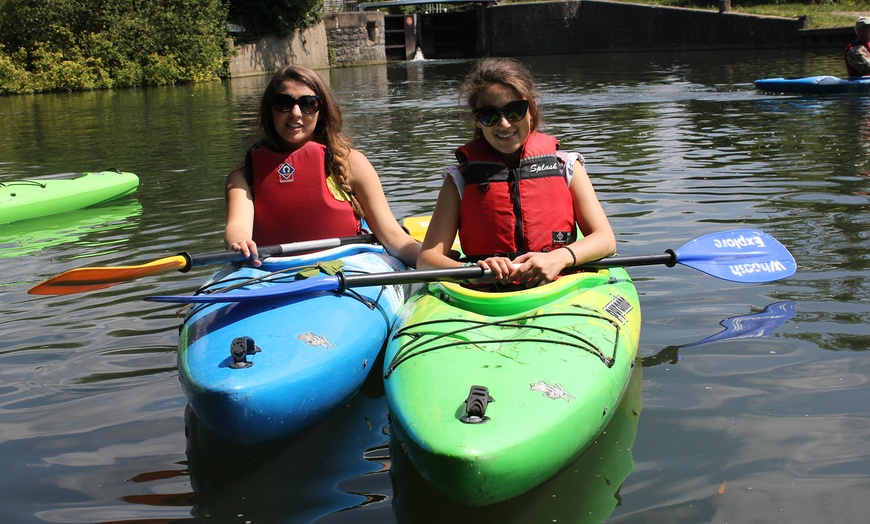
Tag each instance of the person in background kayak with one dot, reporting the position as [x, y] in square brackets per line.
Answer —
[858, 52]
[302, 180]
[515, 200]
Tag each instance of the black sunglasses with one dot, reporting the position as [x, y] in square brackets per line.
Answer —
[308, 104]
[490, 115]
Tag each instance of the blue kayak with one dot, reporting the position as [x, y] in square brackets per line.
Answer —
[259, 371]
[819, 85]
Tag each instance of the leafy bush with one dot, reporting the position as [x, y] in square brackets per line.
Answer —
[51, 70]
[14, 76]
[71, 45]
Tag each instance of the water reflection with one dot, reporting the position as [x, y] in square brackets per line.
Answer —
[286, 481]
[106, 228]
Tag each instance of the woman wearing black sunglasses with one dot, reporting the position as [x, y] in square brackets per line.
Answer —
[514, 199]
[301, 180]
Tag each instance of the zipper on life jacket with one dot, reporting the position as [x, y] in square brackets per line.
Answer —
[514, 189]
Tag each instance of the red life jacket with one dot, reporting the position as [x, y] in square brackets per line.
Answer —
[509, 211]
[292, 201]
[851, 71]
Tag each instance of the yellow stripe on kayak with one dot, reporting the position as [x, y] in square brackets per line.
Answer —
[418, 225]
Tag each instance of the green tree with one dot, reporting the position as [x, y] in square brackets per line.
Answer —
[66, 45]
[274, 17]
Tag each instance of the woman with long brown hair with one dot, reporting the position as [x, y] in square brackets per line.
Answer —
[302, 180]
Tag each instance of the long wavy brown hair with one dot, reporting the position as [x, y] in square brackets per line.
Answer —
[507, 72]
[328, 130]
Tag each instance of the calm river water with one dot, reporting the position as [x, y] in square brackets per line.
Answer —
[770, 426]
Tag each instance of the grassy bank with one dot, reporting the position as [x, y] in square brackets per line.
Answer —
[820, 14]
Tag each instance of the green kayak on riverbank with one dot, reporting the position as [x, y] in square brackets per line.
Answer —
[38, 197]
[491, 394]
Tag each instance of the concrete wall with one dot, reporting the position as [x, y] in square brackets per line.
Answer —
[356, 38]
[596, 25]
[308, 48]
[352, 38]
[832, 37]
[574, 26]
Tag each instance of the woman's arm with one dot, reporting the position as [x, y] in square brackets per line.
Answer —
[442, 229]
[598, 240]
[239, 230]
[368, 190]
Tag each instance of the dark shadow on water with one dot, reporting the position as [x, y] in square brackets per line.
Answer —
[301, 479]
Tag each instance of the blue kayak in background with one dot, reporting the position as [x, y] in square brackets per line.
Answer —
[259, 371]
[820, 85]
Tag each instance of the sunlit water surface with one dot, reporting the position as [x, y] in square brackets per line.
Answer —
[769, 428]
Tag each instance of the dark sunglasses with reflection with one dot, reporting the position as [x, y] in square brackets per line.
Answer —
[490, 115]
[308, 104]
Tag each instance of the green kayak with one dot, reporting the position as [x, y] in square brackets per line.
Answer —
[585, 492]
[38, 197]
[491, 394]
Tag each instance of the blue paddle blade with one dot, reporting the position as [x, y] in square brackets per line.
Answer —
[740, 255]
[309, 285]
[752, 326]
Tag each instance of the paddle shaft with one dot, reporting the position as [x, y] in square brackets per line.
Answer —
[469, 272]
[293, 248]
[742, 255]
[93, 278]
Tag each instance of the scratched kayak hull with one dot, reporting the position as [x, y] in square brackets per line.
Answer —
[818, 85]
[298, 358]
[556, 361]
[38, 197]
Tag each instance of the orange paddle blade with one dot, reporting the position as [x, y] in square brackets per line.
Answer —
[86, 279]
